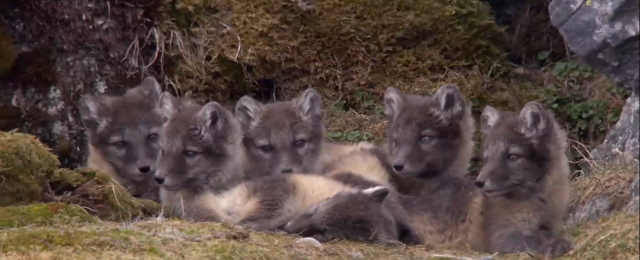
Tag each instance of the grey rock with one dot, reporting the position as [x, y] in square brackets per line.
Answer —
[592, 210]
[603, 33]
[621, 142]
[634, 204]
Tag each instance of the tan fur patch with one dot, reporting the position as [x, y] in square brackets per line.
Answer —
[332, 152]
[362, 163]
[236, 204]
[97, 162]
[311, 189]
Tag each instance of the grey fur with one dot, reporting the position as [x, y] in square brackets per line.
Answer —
[122, 132]
[525, 182]
[282, 137]
[428, 136]
[358, 216]
[200, 148]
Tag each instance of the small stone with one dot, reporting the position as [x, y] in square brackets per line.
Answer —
[309, 241]
[592, 210]
[357, 255]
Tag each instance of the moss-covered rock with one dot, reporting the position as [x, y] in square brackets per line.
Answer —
[340, 47]
[24, 165]
[8, 52]
[102, 196]
[43, 214]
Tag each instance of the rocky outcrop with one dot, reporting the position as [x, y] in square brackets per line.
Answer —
[606, 34]
[65, 49]
[603, 33]
[622, 140]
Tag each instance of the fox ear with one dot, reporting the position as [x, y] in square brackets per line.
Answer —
[149, 89]
[489, 119]
[168, 104]
[451, 101]
[393, 102]
[94, 111]
[309, 104]
[212, 117]
[248, 111]
[537, 121]
[378, 193]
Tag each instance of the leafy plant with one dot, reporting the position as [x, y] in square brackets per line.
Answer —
[585, 120]
[572, 70]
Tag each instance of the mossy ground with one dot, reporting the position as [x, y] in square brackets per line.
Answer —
[43, 214]
[614, 237]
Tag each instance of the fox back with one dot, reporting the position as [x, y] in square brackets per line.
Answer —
[123, 134]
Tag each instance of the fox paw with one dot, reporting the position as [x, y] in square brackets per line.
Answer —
[559, 247]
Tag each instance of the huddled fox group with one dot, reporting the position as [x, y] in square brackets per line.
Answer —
[268, 167]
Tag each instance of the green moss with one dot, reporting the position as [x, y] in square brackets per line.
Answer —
[8, 52]
[343, 46]
[68, 178]
[24, 164]
[43, 214]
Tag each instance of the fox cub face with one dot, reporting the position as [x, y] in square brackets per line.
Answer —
[125, 130]
[424, 133]
[282, 137]
[358, 215]
[200, 146]
[516, 150]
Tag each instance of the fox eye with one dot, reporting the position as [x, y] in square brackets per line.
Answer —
[153, 137]
[266, 148]
[119, 145]
[300, 143]
[426, 139]
[513, 157]
[190, 154]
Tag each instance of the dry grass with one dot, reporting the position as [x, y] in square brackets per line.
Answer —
[610, 178]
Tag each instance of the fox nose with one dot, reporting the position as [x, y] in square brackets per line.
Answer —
[159, 180]
[479, 184]
[398, 167]
[287, 170]
[144, 169]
